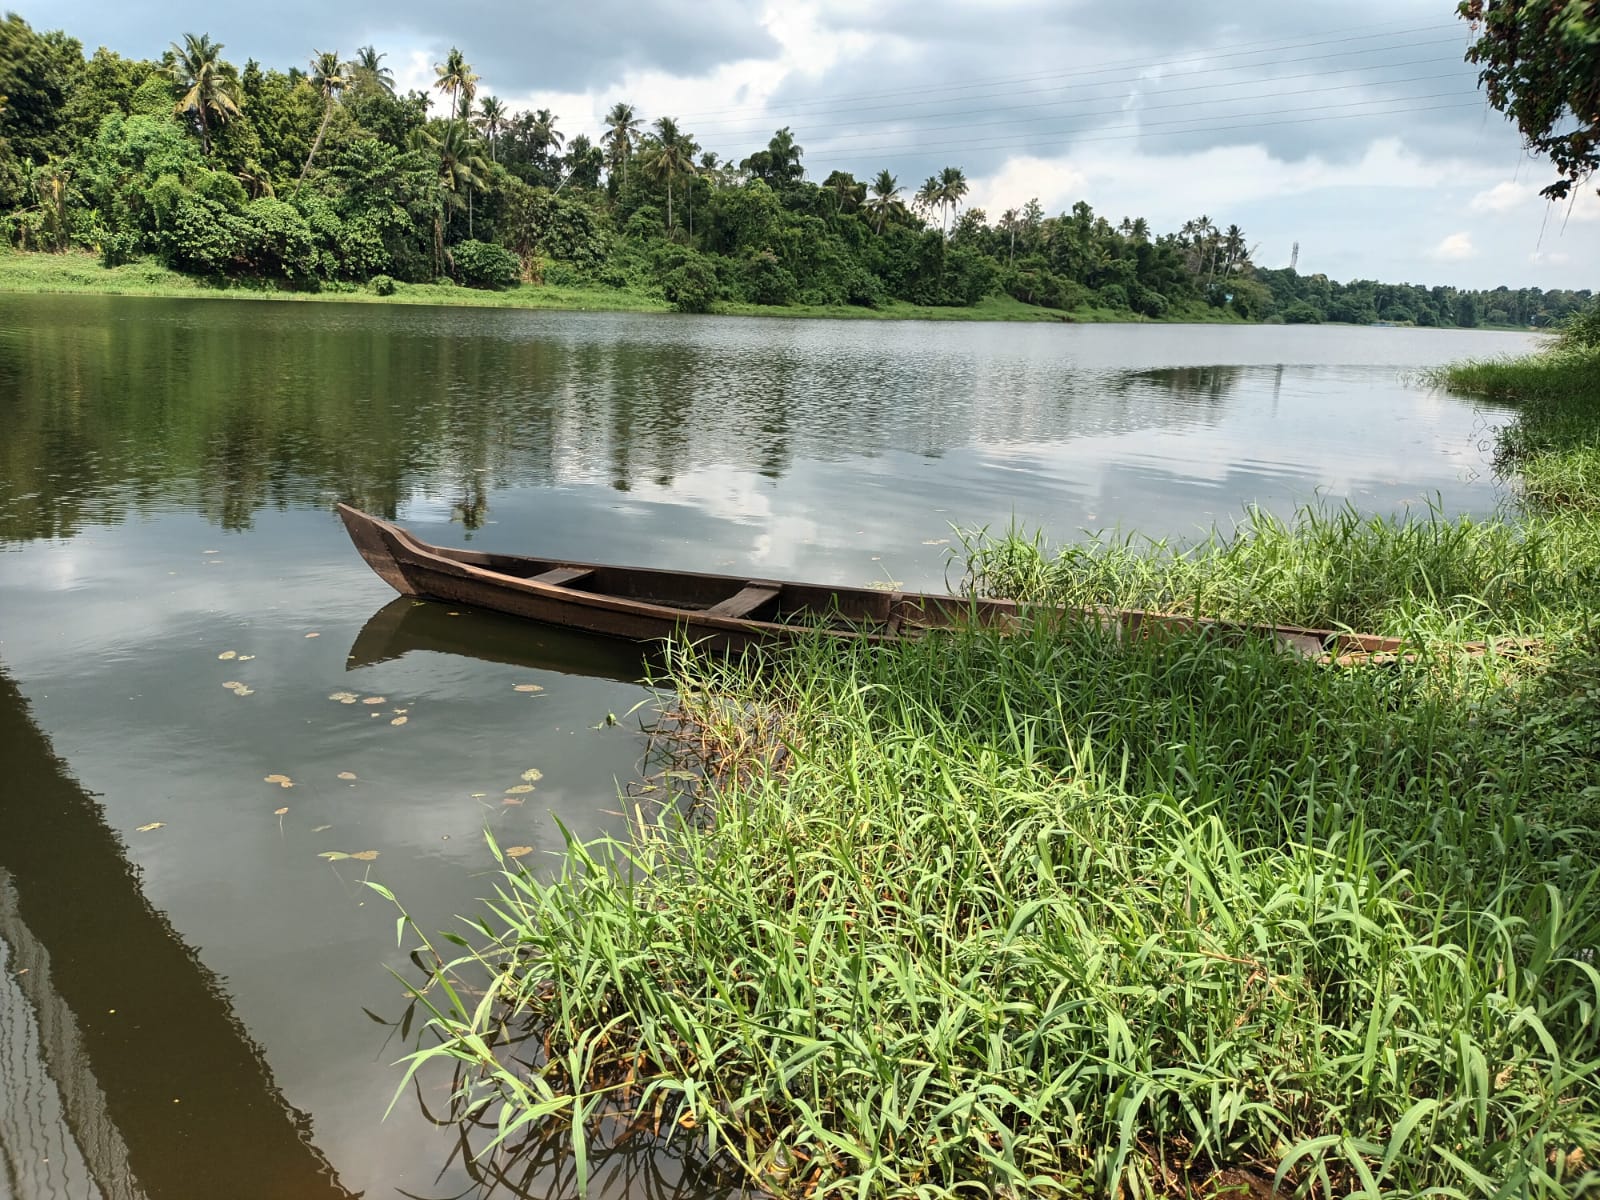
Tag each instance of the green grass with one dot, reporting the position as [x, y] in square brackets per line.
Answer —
[1062, 914]
[81, 272]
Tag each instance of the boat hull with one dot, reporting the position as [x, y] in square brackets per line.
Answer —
[730, 614]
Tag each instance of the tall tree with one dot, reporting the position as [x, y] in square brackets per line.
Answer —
[669, 157]
[1010, 222]
[927, 196]
[622, 130]
[545, 134]
[454, 77]
[491, 119]
[885, 199]
[1541, 67]
[368, 70]
[211, 91]
[329, 77]
[952, 190]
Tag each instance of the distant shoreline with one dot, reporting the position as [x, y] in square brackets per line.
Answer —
[77, 272]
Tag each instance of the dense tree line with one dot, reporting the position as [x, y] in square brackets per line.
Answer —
[326, 176]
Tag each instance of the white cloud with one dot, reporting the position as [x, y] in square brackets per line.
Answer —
[1503, 197]
[1455, 248]
[1508, 196]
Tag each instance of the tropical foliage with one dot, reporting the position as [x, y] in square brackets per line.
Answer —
[324, 175]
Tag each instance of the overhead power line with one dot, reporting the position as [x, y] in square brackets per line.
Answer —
[723, 129]
[1143, 108]
[1140, 64]
[883, 154]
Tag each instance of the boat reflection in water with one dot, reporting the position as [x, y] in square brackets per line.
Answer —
[406, 624]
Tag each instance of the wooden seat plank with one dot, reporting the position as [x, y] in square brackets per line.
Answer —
[743, 603]
[563, 576]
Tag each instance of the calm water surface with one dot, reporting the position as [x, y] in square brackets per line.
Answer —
[192, 1001]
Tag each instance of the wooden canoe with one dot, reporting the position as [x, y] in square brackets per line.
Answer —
[730, 613]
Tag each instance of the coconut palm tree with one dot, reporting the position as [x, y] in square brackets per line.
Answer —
[491, 119]
[1010, 221]
[951, 190]
[669, 156]
[210, 89]
[544, 133]
[927, 196]
[461, 170]
[329, 77]
[885, 199]
[368, 70]
[455, 78]
[846, 188]
[622, 129]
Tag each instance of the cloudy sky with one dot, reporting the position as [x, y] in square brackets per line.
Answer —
[1355, 130]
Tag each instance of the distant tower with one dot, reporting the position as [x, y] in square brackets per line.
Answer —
[1294, 257]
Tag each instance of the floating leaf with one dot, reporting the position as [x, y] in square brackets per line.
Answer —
[479, 795]
[526, 687]
[513, 800]
[521, 789]
[333, 855]
[244, 691]
[518, 851]
[365, 855]
[374, 700]
[399, 721]
[347, 774]
[312, 635]
[281, 780]
[278, 812]
[343, 697]
[247, 658]
[400, 712]
[211, 552]
[232, 685]
[227, 654]
[533, 774]
[322, 829]
[152, 825]
[937, 542]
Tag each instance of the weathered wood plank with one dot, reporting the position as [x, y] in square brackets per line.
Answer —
[745, 602]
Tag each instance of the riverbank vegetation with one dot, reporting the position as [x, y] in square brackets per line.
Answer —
[324, 178]
[1061, 914]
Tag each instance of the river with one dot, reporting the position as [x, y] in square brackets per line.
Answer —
[193, 1000]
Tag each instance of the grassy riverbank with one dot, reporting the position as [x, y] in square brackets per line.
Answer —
[80, 272]
[1053, 914]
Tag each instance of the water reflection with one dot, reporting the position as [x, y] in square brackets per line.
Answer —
[129, 406]
[140, 1060]
[405, 625]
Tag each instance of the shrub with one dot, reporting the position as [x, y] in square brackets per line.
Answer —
[1301, 313]
[767, 281]
[691, 287]
[485, 265]
[381, 285]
